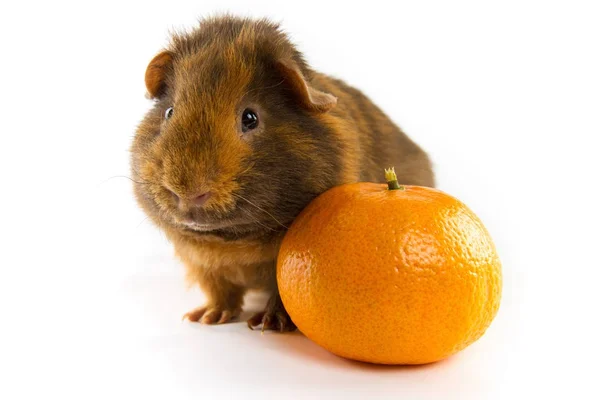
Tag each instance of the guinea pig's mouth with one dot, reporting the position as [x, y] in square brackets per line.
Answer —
[202, 223]
[191, 226]
[204, 227]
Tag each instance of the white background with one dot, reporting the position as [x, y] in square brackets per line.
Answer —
[505, 96]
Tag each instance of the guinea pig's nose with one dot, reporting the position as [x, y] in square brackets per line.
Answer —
[199, 199]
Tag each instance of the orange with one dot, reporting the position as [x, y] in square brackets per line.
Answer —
[406, 276]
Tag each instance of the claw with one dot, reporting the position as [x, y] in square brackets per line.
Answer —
[206, 315]
[266, 323]
[225, 316]
[194, 315]
[282, 321]
[211, 316]
[255, 320]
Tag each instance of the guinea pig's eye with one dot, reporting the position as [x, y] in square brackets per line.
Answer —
[249, 120]
[169, 113]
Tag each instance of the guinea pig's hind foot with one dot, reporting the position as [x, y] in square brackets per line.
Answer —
[275, 317]
[210, 315]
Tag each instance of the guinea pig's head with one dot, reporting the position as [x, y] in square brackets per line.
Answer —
[236, 142]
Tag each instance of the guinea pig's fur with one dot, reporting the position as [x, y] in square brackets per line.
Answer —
[314, 132]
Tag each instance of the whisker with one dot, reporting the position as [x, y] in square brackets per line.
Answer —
[261, 209]
[256, 219]
[126, 177]
[144, 220]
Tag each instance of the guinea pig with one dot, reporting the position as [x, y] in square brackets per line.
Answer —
[242, 135]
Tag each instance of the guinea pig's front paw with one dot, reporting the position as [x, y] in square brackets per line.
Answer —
[275, 317]
[211, 314]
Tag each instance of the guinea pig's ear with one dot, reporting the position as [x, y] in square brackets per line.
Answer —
[311, 98]
[156, 73]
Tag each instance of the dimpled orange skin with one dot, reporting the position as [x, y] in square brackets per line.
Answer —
[389, 276]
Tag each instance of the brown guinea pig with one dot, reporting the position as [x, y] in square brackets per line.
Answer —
[243, 134]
